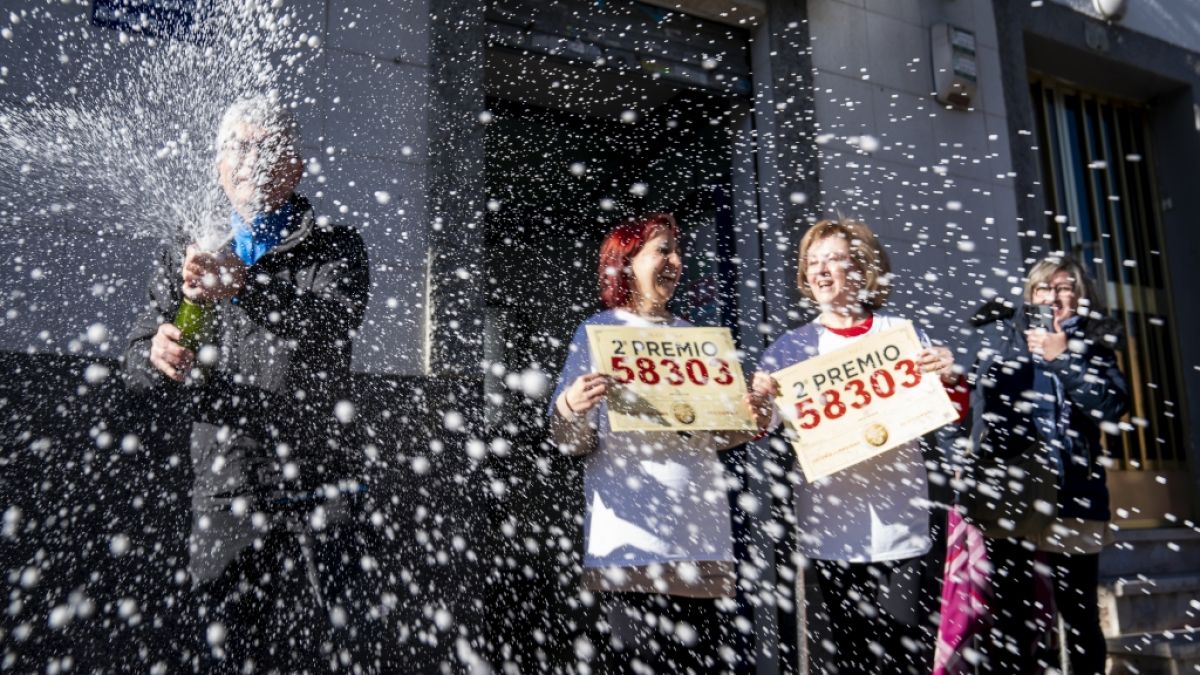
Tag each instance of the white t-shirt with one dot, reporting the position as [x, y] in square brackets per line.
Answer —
[651, 498]
[873, 511]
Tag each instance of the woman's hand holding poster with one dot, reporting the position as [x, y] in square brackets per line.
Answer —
[671, 379]
[858, 402]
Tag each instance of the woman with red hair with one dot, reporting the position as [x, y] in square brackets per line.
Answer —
[658, 552]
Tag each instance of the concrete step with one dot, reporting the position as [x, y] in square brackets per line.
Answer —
[1160, 653]
[1153, 553]
[1145, 604]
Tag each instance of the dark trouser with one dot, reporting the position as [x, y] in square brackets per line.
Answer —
[290, 606]
[879, 615]
[1011, 647]
[1076, 578]
[665, 633]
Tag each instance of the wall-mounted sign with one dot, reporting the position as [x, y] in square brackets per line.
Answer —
[955, 74]
[165, 18]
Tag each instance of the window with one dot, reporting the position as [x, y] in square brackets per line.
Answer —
[1102, 208]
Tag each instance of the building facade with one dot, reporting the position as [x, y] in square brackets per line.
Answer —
[506, 136]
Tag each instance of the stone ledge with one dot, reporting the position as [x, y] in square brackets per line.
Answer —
[1176, 645]
[1157, 534]
[1167, 583]
[1151, 553]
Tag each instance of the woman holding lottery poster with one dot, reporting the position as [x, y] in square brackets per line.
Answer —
[866, 527]
[658, 551]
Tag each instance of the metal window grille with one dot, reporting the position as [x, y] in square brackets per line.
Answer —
[1102, 206]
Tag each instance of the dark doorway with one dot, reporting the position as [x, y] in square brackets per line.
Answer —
[557, 181]
[570, 149]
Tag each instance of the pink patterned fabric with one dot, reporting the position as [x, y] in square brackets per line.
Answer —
[966, 592]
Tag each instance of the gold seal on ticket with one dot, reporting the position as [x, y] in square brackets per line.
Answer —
[876, 435]
[683, 412]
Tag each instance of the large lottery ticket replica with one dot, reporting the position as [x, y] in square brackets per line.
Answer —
[860, 401]
[671, 379]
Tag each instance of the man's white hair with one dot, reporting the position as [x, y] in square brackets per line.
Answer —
[264, 111]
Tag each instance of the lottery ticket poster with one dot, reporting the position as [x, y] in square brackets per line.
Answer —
[860, 401]
[671, 379]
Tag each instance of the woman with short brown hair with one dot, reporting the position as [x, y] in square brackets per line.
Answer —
[865, 528]
[869, 260]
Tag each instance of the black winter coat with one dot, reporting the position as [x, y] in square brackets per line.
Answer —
[264, 434]
[1093, 386]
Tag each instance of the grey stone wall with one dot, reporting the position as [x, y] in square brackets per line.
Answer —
[933, 182]
[363, 92]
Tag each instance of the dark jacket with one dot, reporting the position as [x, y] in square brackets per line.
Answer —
[1093, 388]
[264, 433]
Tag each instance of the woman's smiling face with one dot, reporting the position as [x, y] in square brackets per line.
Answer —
[656, 269]
[1060, 293]
[830, 273]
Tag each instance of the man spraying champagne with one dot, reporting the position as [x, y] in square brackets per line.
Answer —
[258, 170]
[270, 314]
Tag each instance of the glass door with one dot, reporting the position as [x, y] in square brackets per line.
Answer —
[1103, 209]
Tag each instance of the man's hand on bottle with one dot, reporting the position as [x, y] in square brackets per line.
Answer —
[212, 276]
[168, 356]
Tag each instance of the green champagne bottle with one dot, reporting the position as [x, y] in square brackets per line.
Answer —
[196, 323]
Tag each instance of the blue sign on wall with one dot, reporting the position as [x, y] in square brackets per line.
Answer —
[166, 18]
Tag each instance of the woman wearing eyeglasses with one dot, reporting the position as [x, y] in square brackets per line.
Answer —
[865, 528]
[1046, 381]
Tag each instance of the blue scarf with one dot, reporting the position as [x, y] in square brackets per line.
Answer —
[1051, 410]
[252, 241]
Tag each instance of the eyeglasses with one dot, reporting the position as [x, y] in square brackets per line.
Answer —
[830, 258]
[1061, 289]
[266, 147]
